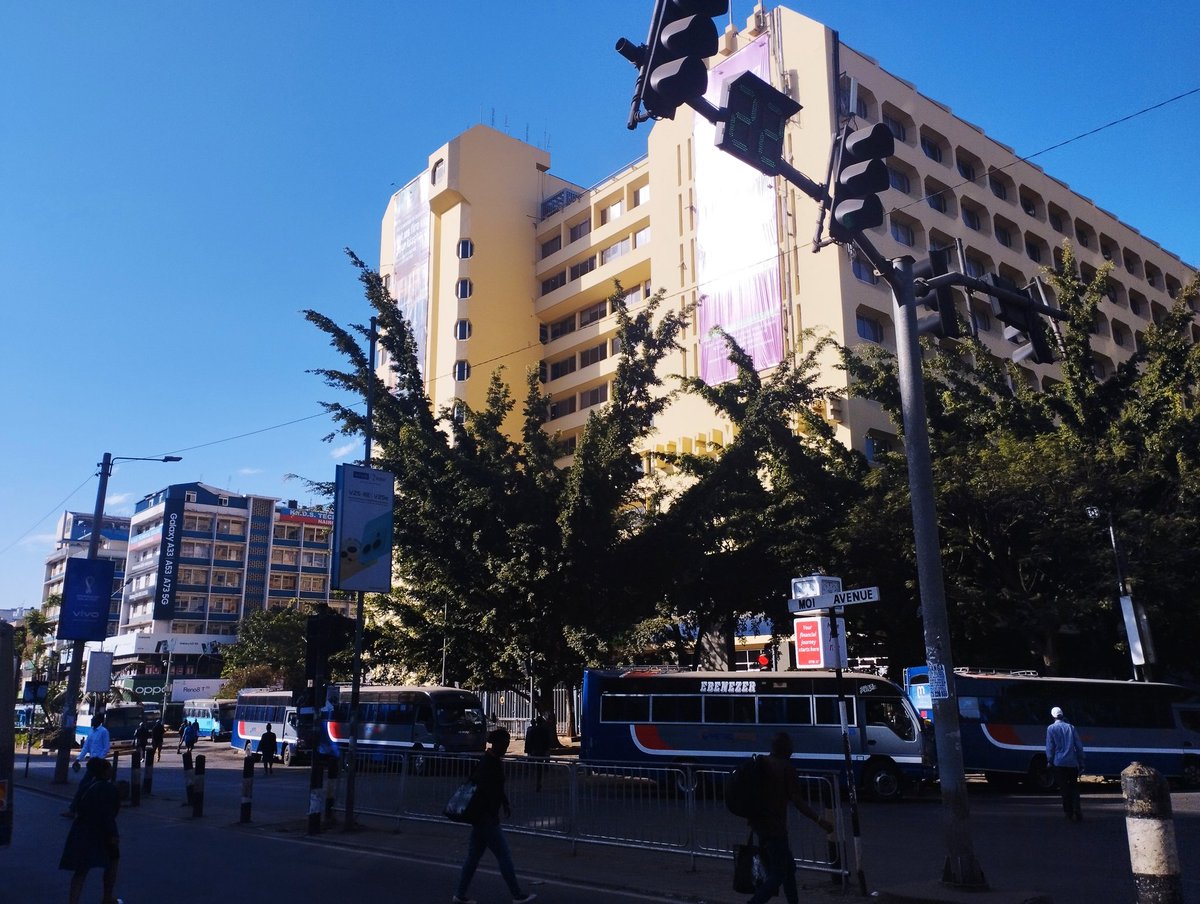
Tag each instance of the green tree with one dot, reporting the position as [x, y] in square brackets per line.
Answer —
[270, 649]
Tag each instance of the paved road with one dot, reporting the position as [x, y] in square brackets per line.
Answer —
[1022, 842]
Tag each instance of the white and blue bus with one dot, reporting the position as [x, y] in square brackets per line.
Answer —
[214, 717]
[121, 720]
[259, 707]
[398, 719]
[659, 717]
[1003, 718]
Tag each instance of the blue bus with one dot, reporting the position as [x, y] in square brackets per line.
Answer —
[1003, 719]
[214, 717]
[398, 719]
[654, 716]
[121, 720]
[262, 706]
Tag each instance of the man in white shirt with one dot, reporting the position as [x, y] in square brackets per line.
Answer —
[96, 744]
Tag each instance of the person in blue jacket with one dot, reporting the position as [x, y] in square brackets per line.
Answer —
[1064, 754]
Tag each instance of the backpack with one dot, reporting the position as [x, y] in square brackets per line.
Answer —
[746, 788]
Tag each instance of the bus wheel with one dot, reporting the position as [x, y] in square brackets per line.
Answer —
[212, 736]
[1040, 777]
[881, 780]
[1191, 772]
[287, 756]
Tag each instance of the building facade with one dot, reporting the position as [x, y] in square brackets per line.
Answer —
[518, 271]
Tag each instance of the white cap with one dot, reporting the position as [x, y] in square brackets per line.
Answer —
[1057, 712]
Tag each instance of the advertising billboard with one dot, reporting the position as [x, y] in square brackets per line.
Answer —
[362, 529]
[736, 233]
[410, 261]
[168, 560]
[87, 593]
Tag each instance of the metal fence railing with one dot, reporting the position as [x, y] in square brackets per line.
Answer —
[677, 808]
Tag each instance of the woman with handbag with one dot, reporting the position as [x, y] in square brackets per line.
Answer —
[93, 840]
[484, 812]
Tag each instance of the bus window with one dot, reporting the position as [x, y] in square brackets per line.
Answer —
[827, 711]
[1190, 719]
[892, 715]
[675, 708]
[785, 710]
[726, 709]
[624, 708]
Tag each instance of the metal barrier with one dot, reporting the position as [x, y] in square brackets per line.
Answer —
[678, 808]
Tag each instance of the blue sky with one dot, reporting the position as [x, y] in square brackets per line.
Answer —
[179, 180]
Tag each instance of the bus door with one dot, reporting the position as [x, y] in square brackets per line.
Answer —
[423, 726]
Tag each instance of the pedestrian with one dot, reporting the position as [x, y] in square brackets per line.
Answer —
[141, 737]
[266, 746]
[771, 827]
[1064, 754]
[537, 746]
[485, 827]
[93, 840]
[158, 733]
[190, 735]
[96, 745]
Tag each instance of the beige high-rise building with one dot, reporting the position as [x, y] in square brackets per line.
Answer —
[499, 263]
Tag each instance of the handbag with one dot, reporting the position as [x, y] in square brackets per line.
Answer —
[747, 866]
[459, 807]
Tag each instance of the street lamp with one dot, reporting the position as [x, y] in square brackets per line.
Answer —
[67, 735]
[1137, 626]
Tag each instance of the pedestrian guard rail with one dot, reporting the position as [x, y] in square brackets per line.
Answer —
[678, 808]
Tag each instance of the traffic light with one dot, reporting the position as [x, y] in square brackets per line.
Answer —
[755, 115]
[671, 68]
[1022, 323]
[942, 298]
[859, 176]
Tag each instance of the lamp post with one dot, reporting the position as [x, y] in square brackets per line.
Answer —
[1137, 626]
[67, 735]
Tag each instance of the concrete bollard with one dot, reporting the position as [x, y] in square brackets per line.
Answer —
[198, 788]
[148, 774]
[1151, 831]
[316, 795]
[135, 779]
[247, 787]
[187, 778]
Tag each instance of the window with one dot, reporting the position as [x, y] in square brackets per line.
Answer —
[584, 266]
[932, 149]
[896, 126]
[869, 328]
[970, 218]
[222, 578]
[641, 196]
[562, 408]
[860, 107]
[612, 252]
[198, 576]
[937, 200]
[462, 330]
[232, 526]
[610, 213]
[283, 581]
[966, 170]
[974, 267]
[287, 531]
[981, 319]
[1056, 222]
[462, 370]
[902, 233]
[463, 288]
[551, 245]
[1034, 252]
[593, 355]
[592, 313]
[557, 281]
[999, 189]
[877, 446]
[864, 271]
[223, 605]
[641, 238]
[898, 180]
[593, 396]
[229, 552]
[314, 559]
[1003, 236]
[284, 556]
[562, 327]
[223, 500]
[438, 173]
[1028, 206]
[616, 346]
[466, 248]
[312, 583]
[195, 549]
[580, 229]
[561, 368]
[189, 496]
[203, 523]
[318, 535]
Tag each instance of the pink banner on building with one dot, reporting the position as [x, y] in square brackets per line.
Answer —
[410, 261]
[737, 237]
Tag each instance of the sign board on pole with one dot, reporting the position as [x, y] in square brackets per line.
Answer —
[87, 590]
[835, 600]
[1136, 653]
[814, 644]
[362, 529]
[815, 585]
[99, 673]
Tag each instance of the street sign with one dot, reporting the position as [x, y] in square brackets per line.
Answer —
[815, 647]
[835, 600]
[815, 585]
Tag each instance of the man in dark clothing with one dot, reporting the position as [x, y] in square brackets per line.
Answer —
[537, 746]
[485, 828]
[771, 825]
[141, 737]
[157, 733]
[266, 747]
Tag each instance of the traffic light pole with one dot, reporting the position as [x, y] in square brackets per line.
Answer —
[961, 868]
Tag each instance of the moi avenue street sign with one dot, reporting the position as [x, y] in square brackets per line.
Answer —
[835, 600]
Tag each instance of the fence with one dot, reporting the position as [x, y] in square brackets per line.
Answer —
[514, 710]
[677, 808]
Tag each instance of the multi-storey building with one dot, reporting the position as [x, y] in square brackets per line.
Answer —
[73, 534]
[516, 271]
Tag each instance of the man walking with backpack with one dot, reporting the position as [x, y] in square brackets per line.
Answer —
[781, 788]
